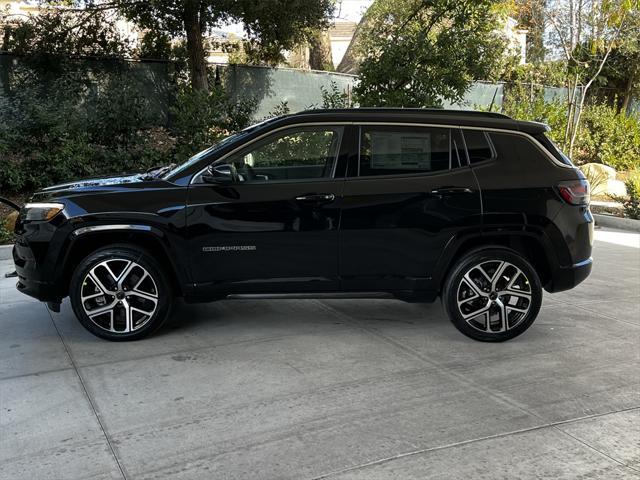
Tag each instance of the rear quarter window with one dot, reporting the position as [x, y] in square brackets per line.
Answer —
[479, 147]
[551, 147]
[518, 150]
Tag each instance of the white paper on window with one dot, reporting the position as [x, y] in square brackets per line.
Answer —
[392, 150]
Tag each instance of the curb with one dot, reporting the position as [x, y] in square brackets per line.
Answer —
[612, 221]
[5, 252]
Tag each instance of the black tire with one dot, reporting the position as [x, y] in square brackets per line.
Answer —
[456, 285]
[159, 283]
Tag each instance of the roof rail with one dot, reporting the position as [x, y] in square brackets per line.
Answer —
[436, 111]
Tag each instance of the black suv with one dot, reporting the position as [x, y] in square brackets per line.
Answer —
[477, 208]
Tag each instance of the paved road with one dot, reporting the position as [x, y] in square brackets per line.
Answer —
[367, 389]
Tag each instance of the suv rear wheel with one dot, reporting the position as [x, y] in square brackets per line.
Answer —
[492, 295]
[120, 293]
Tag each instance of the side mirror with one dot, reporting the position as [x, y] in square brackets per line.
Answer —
[223, 174]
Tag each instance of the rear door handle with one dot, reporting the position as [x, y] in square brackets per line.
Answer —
[317, 198]
[451, 190]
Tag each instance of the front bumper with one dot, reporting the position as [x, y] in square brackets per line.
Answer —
[565, 278]
[30, 276]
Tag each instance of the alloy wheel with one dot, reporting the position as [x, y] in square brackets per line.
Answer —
[494, 296]
[119, 295]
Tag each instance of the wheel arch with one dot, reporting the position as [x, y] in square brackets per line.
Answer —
[147, 238]
[531, 245]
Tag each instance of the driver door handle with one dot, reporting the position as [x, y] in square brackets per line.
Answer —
[317, 198]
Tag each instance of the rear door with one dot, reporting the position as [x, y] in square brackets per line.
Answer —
[409, 191]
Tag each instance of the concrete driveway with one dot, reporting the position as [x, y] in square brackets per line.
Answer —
[341, 389]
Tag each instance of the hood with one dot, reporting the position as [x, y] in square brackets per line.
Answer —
[91, 183]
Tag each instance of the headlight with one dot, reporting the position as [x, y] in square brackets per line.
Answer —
[41, 212]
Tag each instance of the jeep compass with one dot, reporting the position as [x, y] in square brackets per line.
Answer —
[476, 208]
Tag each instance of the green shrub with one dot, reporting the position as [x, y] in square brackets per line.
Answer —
[200, 119]
[554, 113]
[631, 203]
[605, 136]
[6, 237]
[95, 120]
[608, 137]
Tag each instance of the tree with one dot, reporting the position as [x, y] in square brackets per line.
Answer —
[419, 52]
[619, 79]
[271, 26]
[59, 32]
[586, 32]
[320, 51]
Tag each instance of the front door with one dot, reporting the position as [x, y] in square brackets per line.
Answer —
[408, 192]
[274, 226]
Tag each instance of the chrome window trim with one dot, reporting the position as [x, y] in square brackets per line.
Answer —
[538, 145]
[529, 137]
[275, 130]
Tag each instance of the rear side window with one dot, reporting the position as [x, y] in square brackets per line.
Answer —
[404, 150]
[552, 148]
[518, 150]
[478, 146]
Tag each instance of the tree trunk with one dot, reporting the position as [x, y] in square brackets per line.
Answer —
[626, 98]
[320, 51]
[195, 48]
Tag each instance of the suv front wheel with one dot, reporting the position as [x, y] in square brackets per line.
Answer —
[120, 293]
[492, 295]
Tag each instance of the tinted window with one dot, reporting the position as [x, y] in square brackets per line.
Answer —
[403, 150]
[296, 154]
[478, 146]
[517, 150]
[552, 148]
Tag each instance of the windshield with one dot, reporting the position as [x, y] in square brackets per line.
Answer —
[222, 143]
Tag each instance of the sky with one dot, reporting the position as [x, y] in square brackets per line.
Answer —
[346, 10]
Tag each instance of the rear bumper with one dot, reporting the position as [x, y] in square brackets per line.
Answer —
[565, 278]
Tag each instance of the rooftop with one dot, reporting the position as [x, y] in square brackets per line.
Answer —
[472, 118]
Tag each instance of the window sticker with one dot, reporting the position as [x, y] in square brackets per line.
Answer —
[391, 150]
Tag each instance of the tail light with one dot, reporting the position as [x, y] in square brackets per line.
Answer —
[575, 192]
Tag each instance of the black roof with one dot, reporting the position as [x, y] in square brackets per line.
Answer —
[469, 118]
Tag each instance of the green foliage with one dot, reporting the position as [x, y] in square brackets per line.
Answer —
[69, 134]
[417, 53]
[271, 27]
[608, 137]
[631, 203]
[58, 32]
[6, 237]
[605, 136]
[548, 73]
[333, 96]
[70, 125]
[281, 109]
[518, 104]
[203, 118]
[156, 45]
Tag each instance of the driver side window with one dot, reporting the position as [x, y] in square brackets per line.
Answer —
[296, 154]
